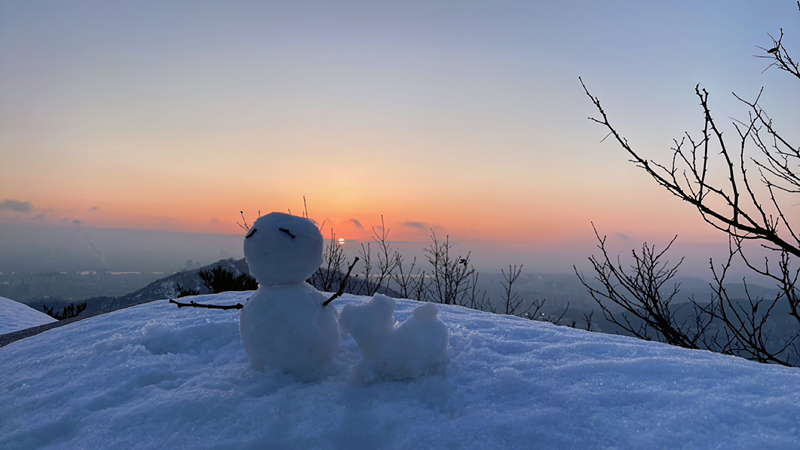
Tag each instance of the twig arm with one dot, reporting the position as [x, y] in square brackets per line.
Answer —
[342, 284]
[202, 305]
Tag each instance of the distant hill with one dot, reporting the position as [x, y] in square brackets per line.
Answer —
[169, 287]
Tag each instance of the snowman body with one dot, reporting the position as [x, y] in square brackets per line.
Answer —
[284, 324]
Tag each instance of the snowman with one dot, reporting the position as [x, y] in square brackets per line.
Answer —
[284, 325]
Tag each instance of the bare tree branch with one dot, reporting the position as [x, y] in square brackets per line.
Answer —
[731, 200]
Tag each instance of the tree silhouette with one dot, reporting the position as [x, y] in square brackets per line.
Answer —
[743, 206]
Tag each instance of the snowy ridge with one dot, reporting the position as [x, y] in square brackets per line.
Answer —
[15, 316]
[155, 376]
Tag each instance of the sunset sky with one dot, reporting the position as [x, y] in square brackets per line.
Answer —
[467, 117]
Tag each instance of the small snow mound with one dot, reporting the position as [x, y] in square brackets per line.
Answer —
[15, 316]
[164, 338]
[426, 312]
[415, 348]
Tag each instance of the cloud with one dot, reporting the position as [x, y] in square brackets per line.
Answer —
[67, 221]
[623, 236]
[413, 224]
[356, 223]
[16, 205]
[39, 217]
[94, 208]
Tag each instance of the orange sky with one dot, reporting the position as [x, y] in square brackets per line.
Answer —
[466, 119]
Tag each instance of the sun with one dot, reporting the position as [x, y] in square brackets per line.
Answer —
[341, 241]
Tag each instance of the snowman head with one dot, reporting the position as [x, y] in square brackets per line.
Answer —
[283, 249]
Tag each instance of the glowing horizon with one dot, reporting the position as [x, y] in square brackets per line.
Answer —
[465, 119]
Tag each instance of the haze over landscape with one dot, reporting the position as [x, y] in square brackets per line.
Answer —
[465, 118]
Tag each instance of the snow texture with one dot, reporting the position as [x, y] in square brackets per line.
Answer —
[154, 376]
[15, 316]
[416, 347]
[284, 324]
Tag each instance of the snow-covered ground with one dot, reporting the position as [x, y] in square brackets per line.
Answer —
[155, 376]
[15, 316]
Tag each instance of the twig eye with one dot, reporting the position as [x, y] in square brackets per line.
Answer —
[287, 232]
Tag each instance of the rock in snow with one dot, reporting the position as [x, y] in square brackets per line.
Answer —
[15, 316]
[154, 376]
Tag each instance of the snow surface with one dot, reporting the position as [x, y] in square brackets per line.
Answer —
[15, 316]
[155, 376]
